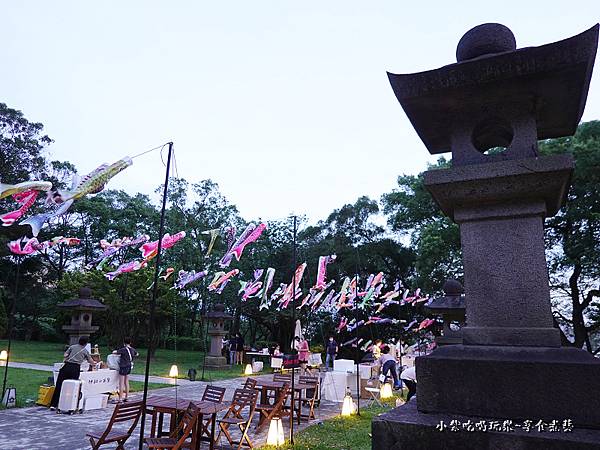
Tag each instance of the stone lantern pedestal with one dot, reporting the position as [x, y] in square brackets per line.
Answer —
[490, 109]
[81, 315]
[216, 320]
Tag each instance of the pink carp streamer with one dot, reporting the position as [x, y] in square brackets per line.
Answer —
[221, 279]
[126, 268]
[250, 234]
[33, 245]
[288, 293]
[150, 249]
[167, 274]
[111, 248]
[26, 199]
[322, 270]
[7, 190]
[251, 288]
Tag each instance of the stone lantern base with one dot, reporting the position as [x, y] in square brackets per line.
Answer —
[215, 362]
[406, 428]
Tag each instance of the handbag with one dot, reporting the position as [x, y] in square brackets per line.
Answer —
[130, 356]
[382, 378]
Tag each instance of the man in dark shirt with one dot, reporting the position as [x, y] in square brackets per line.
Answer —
[331, 348]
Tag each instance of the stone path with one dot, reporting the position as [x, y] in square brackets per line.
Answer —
[38, 428]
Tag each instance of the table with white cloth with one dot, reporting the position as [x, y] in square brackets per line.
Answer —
[335, 383]
[97, 382]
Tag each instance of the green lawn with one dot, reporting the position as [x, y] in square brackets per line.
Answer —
[48, 353]
[338, 433]
[28, 381]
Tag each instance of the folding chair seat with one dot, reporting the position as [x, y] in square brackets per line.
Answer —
[123, 413]
[278, 409]
[183, 436]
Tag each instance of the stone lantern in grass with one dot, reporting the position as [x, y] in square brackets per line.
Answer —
[81, 310]
[216, 320]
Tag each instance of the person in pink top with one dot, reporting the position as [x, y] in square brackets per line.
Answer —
[303, 352]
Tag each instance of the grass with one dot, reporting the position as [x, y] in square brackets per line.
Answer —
[48, 353]
[338, 433]
[28, 381]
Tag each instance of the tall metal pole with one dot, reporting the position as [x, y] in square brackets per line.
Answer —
[357, 361]
[11, 319]
[161, 231]
[294, 333]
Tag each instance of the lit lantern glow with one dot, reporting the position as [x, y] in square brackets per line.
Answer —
[248, 370]
[3, 355]
[348, 407]
[276, 436]
[386, 391]
[174, 372]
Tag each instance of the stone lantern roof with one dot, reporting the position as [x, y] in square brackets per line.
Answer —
[84, 302]
[553, 79]
[218, 313]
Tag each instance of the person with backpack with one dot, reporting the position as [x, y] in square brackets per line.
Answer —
[127, 354]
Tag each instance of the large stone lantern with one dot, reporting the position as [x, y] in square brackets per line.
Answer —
[489, 109]
[81, 315]
[216, 320]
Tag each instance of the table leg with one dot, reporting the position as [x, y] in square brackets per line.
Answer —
[161, 417]
[211, 445]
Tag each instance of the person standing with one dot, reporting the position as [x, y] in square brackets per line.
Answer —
[232, 347]
[387, 363]
[127, 353]
[74, 356]
[239, 349]
[409, 376]
[303, 353]
[331, 349]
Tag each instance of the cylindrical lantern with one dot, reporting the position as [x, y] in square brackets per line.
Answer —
[386, 391]
[248, 370]
[348, 406]
[3, 355]
[174, 372]
[276, 436]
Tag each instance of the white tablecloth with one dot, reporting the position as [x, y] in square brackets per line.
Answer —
[97, 382]
[334, 385]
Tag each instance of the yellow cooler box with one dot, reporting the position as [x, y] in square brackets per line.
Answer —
[45, 395]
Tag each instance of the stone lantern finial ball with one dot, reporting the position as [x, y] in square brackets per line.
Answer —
[485, 39]
[219, 307]
[85, 292]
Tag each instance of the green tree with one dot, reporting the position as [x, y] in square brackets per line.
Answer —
[573, 239]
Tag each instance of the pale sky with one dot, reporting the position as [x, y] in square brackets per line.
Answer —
[286, 105]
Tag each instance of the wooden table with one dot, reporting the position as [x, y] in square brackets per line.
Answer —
[266, 385]
[161, 405]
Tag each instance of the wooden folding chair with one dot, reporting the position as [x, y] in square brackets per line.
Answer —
[309, 398]
[242, 399]
[180, 436]
[212, 394]
[124, 412]
[278, 409]
[250, 383]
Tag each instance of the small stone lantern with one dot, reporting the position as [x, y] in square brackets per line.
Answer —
[81, 315]
[452, 309]
[216, 320]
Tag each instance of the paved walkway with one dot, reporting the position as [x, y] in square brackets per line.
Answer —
[151, 378]
[38, 428]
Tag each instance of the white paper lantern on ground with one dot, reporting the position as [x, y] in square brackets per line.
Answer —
[248, 370]
[386, 391]
[174, 372]
[276, 436]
